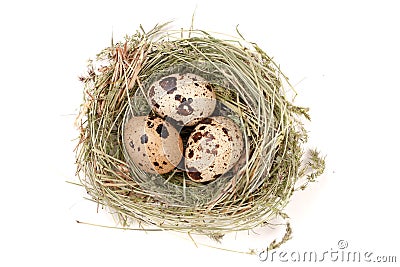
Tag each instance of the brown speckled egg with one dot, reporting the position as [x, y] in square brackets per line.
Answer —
[186, 98]
[153, 144]
[214, 146]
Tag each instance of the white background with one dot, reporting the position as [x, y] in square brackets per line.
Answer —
[342, 56]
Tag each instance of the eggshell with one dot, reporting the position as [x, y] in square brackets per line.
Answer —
[213, 148]
[186, 98]
[153, 144]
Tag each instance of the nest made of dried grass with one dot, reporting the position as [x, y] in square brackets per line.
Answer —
[247, 81]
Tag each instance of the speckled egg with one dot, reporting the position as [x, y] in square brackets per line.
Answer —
[186, 98]
[214, 146]
[153, 144]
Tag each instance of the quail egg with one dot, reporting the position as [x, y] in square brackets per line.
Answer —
[187, 98]
[213, 148]
[153, 144]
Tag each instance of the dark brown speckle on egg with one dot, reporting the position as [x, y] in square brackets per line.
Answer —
[209, 87]
[209, 136]
[197, 136]
[194, 174]
[151, 92]
[184, 109]
[171, 91]
[155, 104]
[150, 124]
[144, 139]
[131, 144]
[178, 97]
[168, 84]
[162, 131]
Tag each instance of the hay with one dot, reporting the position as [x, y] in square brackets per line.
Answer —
[248, 82]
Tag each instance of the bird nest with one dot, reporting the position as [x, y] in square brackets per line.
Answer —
[250, 89]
